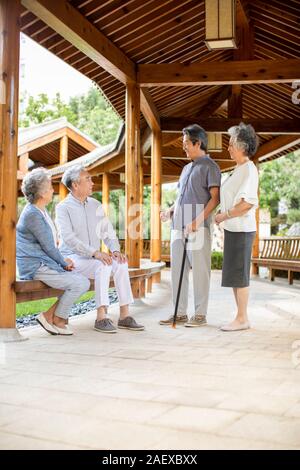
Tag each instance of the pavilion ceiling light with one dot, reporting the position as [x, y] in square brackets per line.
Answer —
[122, 177]
[214, 142]
[220, 24]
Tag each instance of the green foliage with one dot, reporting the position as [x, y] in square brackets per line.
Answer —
[279, 181]
[90, 113]
[36, 306]
[41, 109]
[216, 260]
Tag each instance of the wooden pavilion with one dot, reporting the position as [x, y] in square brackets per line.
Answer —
[162, 64]
[50, 144]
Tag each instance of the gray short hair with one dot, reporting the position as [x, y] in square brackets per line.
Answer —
[195, 133]
[33, 184]
[72, 175]
[244, 138]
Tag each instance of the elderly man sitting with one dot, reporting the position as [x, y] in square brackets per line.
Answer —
[82, 225]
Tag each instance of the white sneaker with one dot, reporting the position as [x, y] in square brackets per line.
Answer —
[51, 329]
[230, 327]
[66, 331]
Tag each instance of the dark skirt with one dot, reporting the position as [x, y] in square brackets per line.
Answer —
[237, 258]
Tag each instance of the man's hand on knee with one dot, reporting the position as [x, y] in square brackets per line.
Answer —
[105, 258]
[119, 257]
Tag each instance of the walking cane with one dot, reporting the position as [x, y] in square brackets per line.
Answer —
[180, 282]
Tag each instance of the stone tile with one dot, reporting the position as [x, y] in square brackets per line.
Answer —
[197, 419]
[183, 440]
[163, 388]
[283, 431]
[255, 403]
[10, 441]
[131, 411]
[288, 388]
[85, 431]
[193, 398]
[293, 411]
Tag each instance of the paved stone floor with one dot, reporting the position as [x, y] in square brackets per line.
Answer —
[161, 388]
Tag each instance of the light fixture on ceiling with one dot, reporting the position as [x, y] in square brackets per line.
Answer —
[122, 177]
[214, 142]
[220, 24]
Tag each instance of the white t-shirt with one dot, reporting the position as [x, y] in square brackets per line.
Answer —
[242, 184]
[52, 226]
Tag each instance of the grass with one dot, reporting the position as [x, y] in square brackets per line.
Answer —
[36, 306]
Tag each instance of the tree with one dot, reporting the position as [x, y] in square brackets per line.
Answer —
[90, 113]
[279, 181]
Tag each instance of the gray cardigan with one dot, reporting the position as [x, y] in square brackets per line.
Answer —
[35, 244]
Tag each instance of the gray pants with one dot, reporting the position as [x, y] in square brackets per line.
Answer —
[73, 284]
[199, 259]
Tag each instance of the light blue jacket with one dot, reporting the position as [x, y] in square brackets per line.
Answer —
[35, 244]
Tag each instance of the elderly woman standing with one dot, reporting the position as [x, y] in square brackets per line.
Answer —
[239, 199]
[38, 256]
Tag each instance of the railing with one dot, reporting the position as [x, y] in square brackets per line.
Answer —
[165, 249]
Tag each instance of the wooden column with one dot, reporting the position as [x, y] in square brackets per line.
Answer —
[156, 172]
[9, 93]
[142, 207]
[105, 201]
[63, 158]
[105, 192]
[255, 248]
[132, 177]
[23, 163]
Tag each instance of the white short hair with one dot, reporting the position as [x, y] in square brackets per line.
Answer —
[34, 184]
[244, 138]
[72, 175]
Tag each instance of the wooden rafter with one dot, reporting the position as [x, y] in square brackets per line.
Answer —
[277, 145]
[149, 110]
[77, 30]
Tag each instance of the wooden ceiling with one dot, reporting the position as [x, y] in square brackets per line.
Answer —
[173, 32]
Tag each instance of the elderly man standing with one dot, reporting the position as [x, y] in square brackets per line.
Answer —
[82, 226]
[198, 196]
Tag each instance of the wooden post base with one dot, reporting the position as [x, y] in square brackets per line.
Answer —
[156, 278]
[136, 288]
[143, 288]
[149, 285]
[255, 270]
[9, 335]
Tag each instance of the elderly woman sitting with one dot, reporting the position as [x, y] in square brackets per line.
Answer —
[38, 256]
[238, 202]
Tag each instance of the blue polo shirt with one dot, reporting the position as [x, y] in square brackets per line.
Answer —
[194, 184]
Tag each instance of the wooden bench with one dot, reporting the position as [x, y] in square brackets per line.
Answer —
[280, 253]
[36, 290]
[165, 249]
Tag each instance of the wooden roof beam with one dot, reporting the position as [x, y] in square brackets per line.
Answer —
[67, 21]
[41, 141]
[149, 110]
[239, 72]
[215, 102]
[146, 140]
[221, 125]
[274, 146]
[235, 102]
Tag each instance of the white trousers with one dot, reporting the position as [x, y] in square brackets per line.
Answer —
[95, 269]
